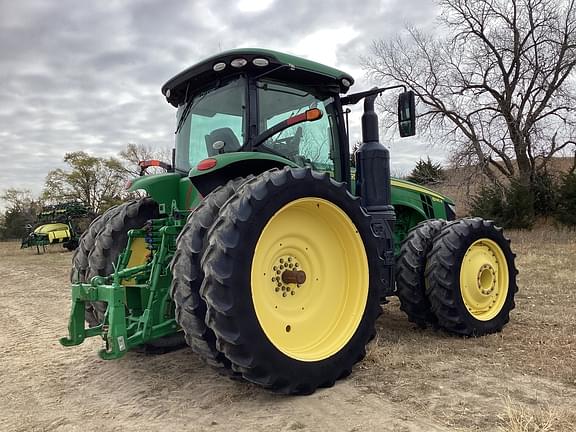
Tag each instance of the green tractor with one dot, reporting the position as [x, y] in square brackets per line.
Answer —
[56, 224]
[261, 248]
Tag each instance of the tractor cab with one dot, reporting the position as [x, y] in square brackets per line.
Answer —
[280, 109]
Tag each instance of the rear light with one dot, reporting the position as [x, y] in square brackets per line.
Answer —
[206, 164]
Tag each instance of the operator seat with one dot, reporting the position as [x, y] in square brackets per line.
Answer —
[226, 135]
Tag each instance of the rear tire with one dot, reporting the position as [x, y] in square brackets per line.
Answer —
[187, 275]
[302, 337]
[410, 267]
[471, 277]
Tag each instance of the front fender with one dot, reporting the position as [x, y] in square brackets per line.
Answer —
[232, 165]
[169, 190]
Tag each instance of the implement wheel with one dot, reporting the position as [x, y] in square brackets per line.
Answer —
[291, 281]
[471, 277]
[187, 275]
[410, 266]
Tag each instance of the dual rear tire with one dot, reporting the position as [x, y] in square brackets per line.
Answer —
[459, 276]
[285, 292]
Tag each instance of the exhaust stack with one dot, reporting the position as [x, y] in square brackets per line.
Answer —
[373, 164]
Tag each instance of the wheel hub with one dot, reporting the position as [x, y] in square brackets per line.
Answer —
[288, 276]
[486, 280]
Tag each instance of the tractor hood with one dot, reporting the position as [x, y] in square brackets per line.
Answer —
[421, 189]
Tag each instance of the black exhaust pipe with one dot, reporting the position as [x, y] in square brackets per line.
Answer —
[373, 187]
[372, 163]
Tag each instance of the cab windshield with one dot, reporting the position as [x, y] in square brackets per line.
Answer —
[311, 144]
[214, 123]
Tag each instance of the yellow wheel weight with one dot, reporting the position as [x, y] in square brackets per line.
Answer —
[484, 279]
[309, 279]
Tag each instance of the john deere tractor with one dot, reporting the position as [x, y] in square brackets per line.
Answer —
[264, 251]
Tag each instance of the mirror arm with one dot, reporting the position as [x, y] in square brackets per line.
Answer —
[354, 98]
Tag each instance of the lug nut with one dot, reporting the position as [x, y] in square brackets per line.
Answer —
[281, 260]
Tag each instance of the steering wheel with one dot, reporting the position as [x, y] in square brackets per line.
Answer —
[290, 145]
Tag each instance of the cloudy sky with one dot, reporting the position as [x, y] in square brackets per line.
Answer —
[80, 75]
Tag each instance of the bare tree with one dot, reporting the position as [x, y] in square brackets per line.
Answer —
[495, 83]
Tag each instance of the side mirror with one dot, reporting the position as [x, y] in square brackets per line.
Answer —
[406, 114]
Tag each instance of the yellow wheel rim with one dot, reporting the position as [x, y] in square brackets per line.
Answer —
[311, 319]
[484, 279]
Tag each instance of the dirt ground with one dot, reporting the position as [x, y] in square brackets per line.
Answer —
[523, 379]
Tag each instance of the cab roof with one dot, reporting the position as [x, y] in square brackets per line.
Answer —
[281, 66]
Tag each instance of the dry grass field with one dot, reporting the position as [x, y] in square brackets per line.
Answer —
[523, 379]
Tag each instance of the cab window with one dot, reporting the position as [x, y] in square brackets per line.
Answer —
[214, 123]
[308, 143]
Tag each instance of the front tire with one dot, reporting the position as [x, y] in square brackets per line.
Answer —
[471, 277]
[291, 281]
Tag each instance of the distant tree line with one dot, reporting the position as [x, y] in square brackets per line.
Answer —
[553, 197]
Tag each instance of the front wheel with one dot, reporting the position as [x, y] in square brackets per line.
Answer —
[290, 281]
[471, 277]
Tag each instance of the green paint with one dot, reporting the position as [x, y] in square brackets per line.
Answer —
[173, 192]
